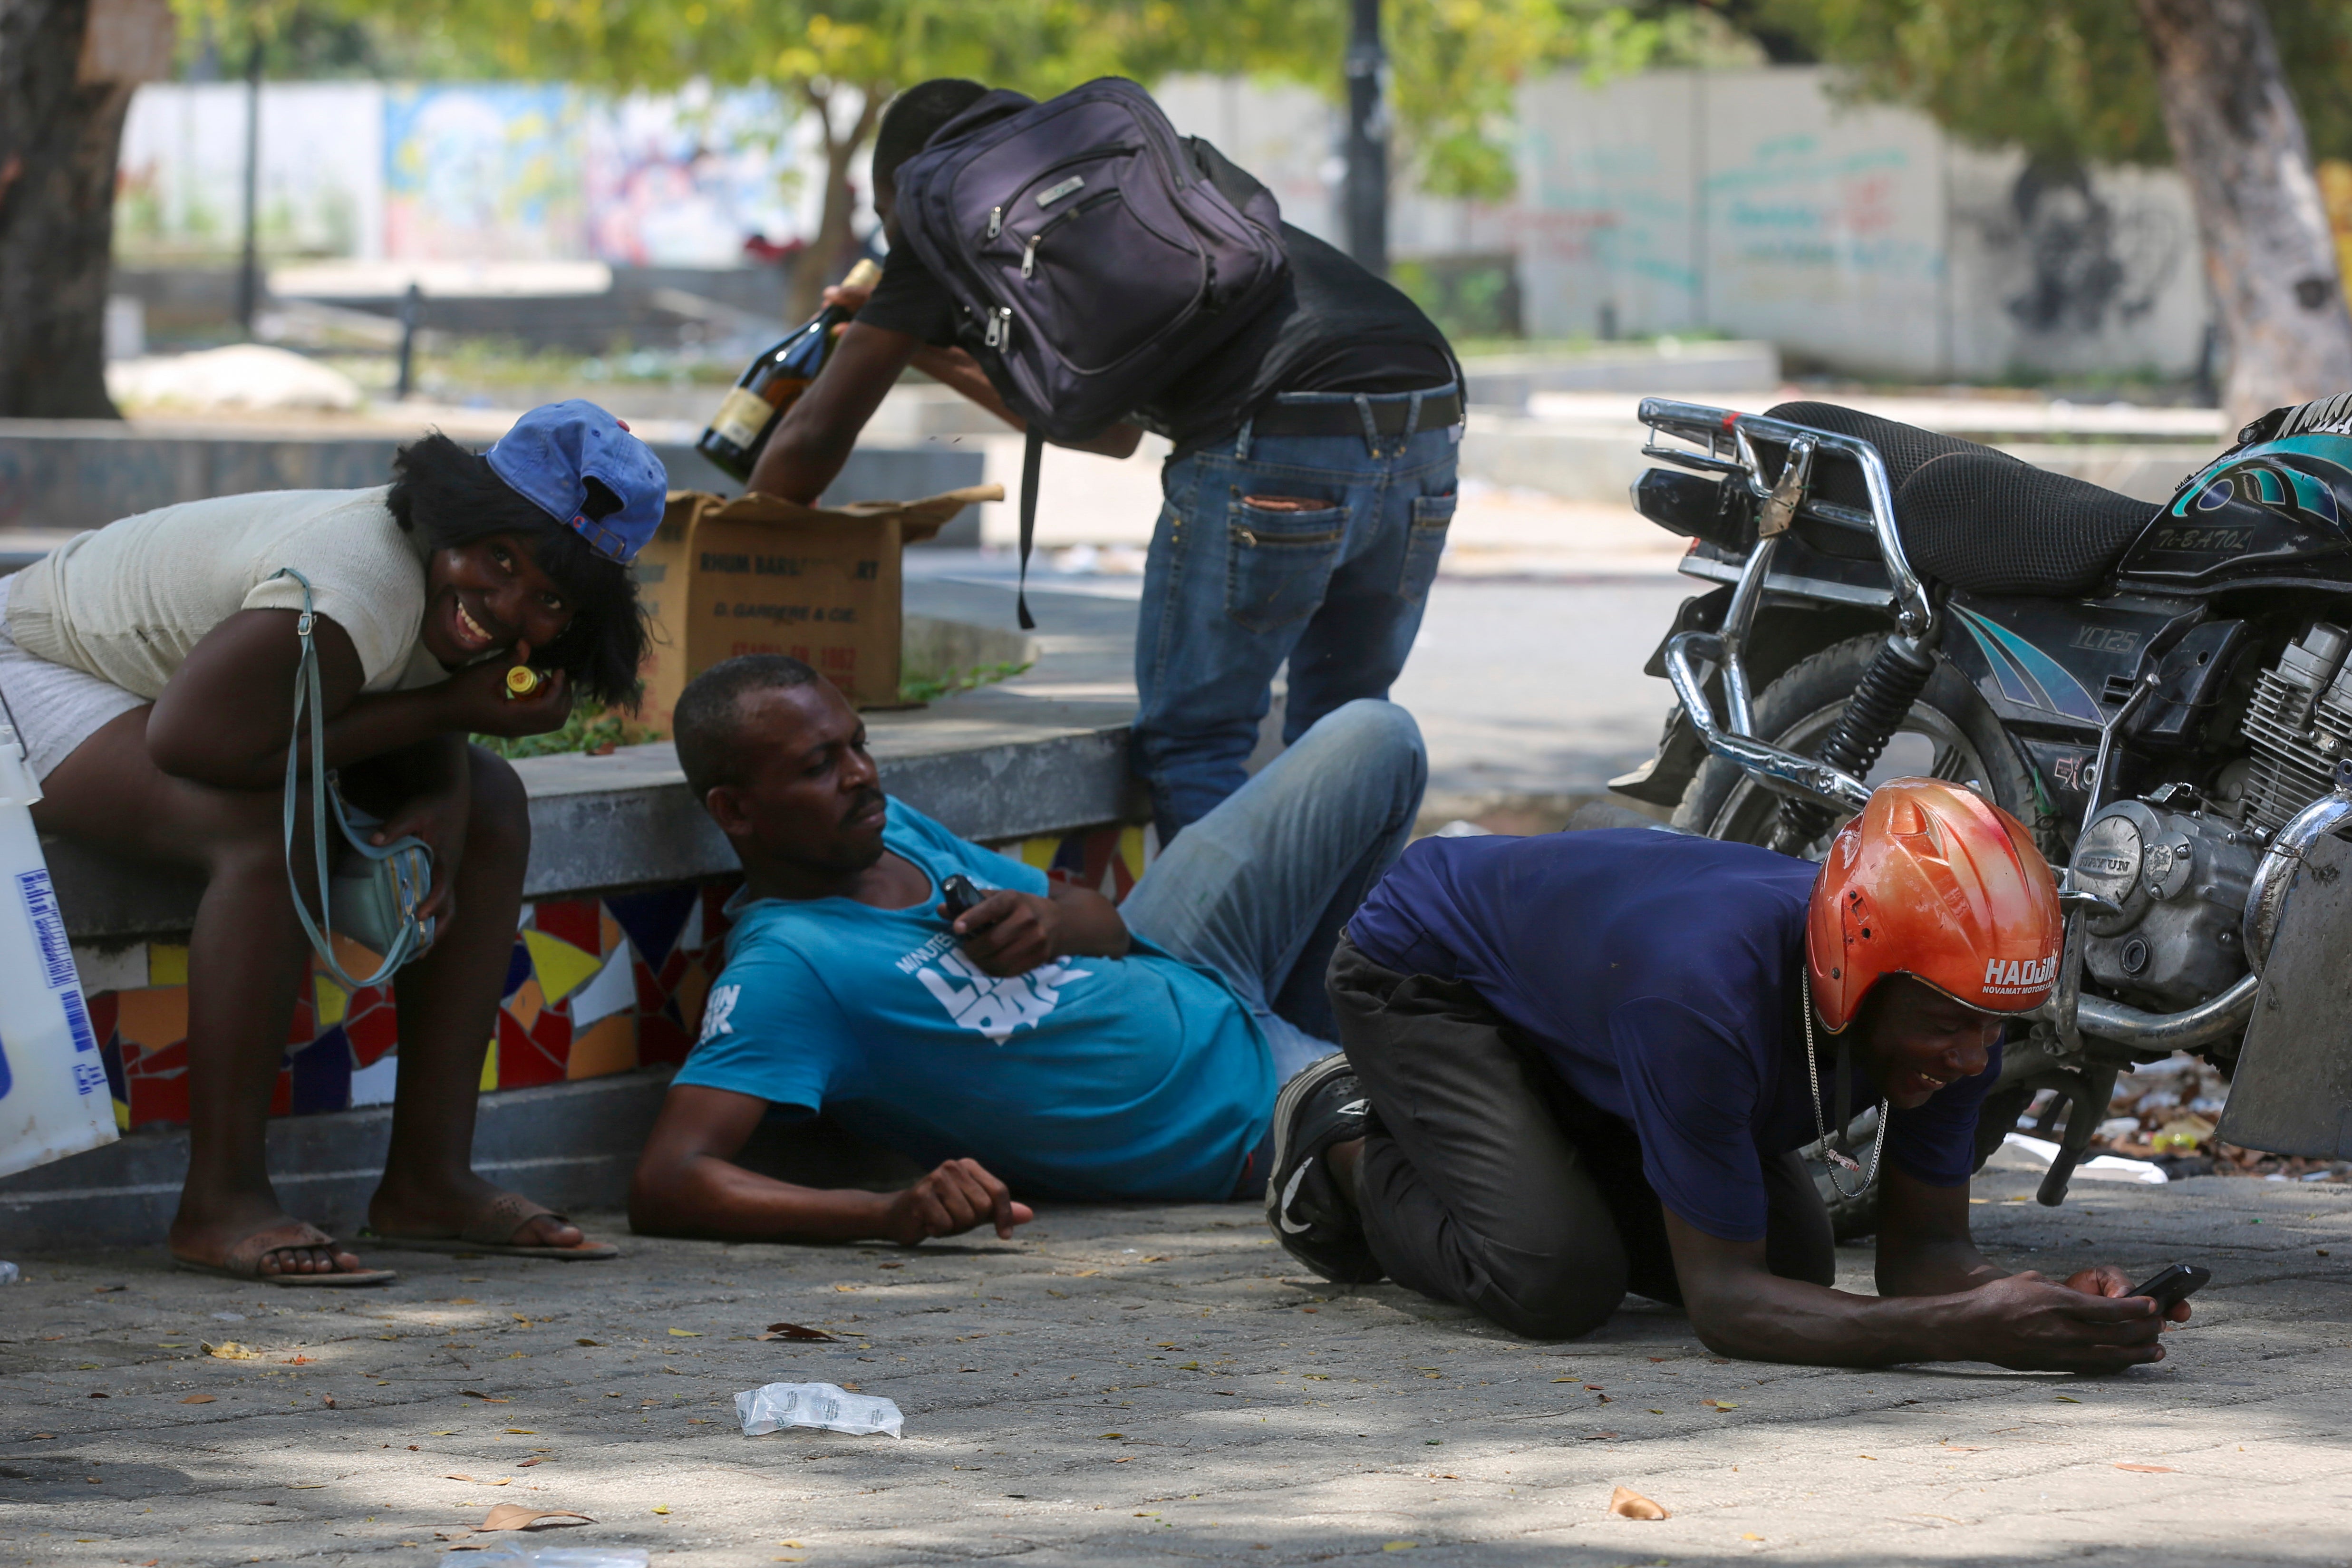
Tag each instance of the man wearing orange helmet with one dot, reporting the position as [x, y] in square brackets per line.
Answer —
[1584, 1063]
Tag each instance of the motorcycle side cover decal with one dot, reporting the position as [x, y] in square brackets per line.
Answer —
[2027, 676]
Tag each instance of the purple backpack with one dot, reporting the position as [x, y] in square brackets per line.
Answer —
[1094, 257]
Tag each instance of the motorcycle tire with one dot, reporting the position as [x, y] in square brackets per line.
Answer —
[1949, 733]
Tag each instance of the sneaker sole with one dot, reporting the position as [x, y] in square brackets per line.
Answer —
[1305, 1081]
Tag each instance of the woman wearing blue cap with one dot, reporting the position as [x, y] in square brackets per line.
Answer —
[148, 666]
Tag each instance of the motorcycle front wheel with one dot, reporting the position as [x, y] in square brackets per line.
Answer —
[1949, 733]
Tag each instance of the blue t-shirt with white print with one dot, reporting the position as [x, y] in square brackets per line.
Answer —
[1141, 1077]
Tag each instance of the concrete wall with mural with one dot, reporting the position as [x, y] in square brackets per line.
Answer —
[1743, 201]
[1751, 202]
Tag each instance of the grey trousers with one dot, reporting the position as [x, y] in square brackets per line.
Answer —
[1486, 1182]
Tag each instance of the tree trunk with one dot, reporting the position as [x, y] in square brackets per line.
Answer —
[827, 257]
[2269, 257]
[61, 107]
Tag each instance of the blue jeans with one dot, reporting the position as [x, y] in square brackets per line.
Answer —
[1258, 889]
[1334, 582]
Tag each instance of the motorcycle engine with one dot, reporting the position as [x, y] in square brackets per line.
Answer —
[2298, 724]
[2180, 879]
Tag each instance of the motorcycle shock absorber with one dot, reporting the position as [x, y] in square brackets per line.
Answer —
[1896, 675]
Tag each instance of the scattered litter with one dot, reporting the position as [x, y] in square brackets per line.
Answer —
[328, 1400]
[794, 1331]
[10, 1274]
[1627, 1504]
[2097, 1168]
[506, 1554]
[229, 1350]
[820, 1405]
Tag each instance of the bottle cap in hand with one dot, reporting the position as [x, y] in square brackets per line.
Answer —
[521, 680]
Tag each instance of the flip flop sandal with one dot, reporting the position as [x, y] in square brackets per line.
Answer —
[242, 1261]
[490, 1233]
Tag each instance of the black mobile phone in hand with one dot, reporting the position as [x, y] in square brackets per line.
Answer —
[2175, 1285]
[960, 895]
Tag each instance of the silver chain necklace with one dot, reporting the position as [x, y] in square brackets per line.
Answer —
[1834, 1158]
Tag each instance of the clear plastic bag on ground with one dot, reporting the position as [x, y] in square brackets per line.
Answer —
[520, 1556]
[9, 1273]
[821, 1404]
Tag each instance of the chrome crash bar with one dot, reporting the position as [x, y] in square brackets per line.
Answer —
[1720, 428]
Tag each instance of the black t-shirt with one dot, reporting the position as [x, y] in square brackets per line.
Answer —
[1333, 328]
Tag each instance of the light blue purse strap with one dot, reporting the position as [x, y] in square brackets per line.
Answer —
[324, 797]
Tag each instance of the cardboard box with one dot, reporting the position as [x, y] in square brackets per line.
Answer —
[756, 574]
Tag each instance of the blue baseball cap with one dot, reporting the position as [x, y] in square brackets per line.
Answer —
[551, 453]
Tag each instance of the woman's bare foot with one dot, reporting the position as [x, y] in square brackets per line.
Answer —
[210, 1239]
[408, 1208]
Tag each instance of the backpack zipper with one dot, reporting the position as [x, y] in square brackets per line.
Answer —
[999, 328]
[996, 222]
[1029, 252]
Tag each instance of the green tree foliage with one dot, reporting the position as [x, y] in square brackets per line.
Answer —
[2069, 80]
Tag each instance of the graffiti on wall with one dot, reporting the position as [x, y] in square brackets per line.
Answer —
[2090, 266]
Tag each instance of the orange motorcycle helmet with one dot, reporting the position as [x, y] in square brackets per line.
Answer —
[1933, 881]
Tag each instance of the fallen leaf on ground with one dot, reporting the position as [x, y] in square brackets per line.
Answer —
[197, 1399]
[463, 1302]
[2151, 1469]
[478, 1481]
[1751, 1535]
[686, 1333]
[514, 1516]
[1400, 1545]
[328, 1400]
[2065, 1399]
[524, 1431]
[592, 1345]
[519, 1318]
[477, 1394]
[1719, 1403]
[1627, 1504]
[1568, 1380]
[529, 1463]
[661, 1507]
[297, 1360]
[1598, 1436]
[794, 1331]
[229, 1350]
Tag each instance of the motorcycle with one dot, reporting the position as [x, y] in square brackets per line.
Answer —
[2160, 694]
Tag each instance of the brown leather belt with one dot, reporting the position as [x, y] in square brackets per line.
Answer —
[1390, 411]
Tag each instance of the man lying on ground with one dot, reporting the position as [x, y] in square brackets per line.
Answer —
[1044, 1043]
[1581, 1063]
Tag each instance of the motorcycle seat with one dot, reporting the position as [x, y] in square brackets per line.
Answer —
[1975, 518]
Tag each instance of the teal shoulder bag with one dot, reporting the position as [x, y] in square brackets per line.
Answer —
[373, 897]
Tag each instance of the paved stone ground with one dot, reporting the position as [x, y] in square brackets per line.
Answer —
[1154, 1385]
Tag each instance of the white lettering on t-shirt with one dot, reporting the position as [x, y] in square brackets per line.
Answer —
[716, 1013]
[990, 1004]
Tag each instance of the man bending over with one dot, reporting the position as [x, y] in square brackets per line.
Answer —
[1584, 1063]
[1044, 1043]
